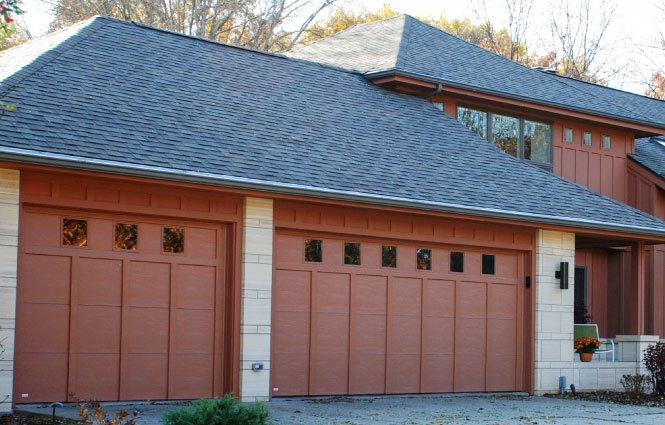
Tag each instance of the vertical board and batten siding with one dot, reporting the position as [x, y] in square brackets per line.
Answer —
[109, 324]
[343, 329]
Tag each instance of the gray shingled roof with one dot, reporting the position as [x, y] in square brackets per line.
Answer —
[126, 98]
[650, 153]
[408, 46]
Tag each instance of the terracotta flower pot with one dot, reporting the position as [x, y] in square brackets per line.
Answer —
[586, 357]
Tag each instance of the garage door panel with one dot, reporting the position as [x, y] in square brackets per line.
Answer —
[368, 294]
[45, 279]
[500, 332]
[100, 234]
[330, 333]
[47, 379]
[195, 287]
[404, 296]
[403, 373]
[437, 373]
[331, 293]
[329, 373]
[289, 250]
[292, 290]
[507, 265]
[200, 243]
[470, 335]
[97, 376]
[439, 298]
[291, 331]
[147, 330]
[49, 328]
[98, 329]
[150, 240]
[192, 376]
[44, 229]
[438, 335]
[368, 333]
[502, 301]
[290, 373]
[471, 299]
[470, 369]
[404, 334]
[100, 282]
[147, 376]
[366, 373]
[194, 331]
[501, 372]
[149, 284]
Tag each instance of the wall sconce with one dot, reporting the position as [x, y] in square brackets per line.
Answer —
[562, 275]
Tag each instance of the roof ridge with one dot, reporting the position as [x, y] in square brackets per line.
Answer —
[50, 55]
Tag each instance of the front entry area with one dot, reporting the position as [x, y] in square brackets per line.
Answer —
[366, 316]
[118, 306]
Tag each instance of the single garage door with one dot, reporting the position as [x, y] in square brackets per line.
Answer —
[115, 307]
[373, 317]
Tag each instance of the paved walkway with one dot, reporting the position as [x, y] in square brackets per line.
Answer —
[427, 410]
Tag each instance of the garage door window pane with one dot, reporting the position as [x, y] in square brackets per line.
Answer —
[313, 250]
[352, 253]
[389, 256]
[126, 236]
[74, 232]
[424, 259]
[457, 262]
[173, 240]
[488, 264]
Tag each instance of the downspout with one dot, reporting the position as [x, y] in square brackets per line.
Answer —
[438, 90]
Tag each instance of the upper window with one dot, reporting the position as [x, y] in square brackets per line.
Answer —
[506, 133]
[126, 236]
[586, 138]
[173, 240]
[74, 232]
[352, 253]
[538, 142]
[519, 137]
[607, 141]
[568, 135]
[388, 256]
[438, 105]
[313, 251]
[475, 120]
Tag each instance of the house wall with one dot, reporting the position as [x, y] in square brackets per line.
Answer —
[601, 170]
[9, 213]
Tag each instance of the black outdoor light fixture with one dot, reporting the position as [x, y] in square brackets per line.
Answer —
[562, 275]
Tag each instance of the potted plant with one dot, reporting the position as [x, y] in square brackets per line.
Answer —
[586, 346]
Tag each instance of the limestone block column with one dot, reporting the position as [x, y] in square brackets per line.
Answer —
[256, 299]
[9, 208]
[554, 310]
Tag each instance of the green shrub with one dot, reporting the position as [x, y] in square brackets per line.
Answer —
[219, 411]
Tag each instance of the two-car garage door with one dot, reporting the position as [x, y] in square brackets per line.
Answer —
[371, 317]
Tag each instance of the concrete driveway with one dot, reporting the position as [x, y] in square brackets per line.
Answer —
[426, 410]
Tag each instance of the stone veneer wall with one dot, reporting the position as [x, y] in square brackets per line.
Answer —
[256, 296]
[9, 207]
[554, 311]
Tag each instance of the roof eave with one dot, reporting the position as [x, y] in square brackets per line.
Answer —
[372, 75]
[135, 170]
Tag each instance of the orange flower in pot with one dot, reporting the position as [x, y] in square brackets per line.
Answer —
[586, 346]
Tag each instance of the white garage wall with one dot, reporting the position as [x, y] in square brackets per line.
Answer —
[256, 298]
[9, 195]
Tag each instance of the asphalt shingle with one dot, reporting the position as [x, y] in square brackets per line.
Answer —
[409, 46]
[122, 93]
[650, 153]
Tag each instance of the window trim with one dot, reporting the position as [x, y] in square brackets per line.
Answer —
[520, 142]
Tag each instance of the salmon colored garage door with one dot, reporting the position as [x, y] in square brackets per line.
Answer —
[116, 307]
[372, 317]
